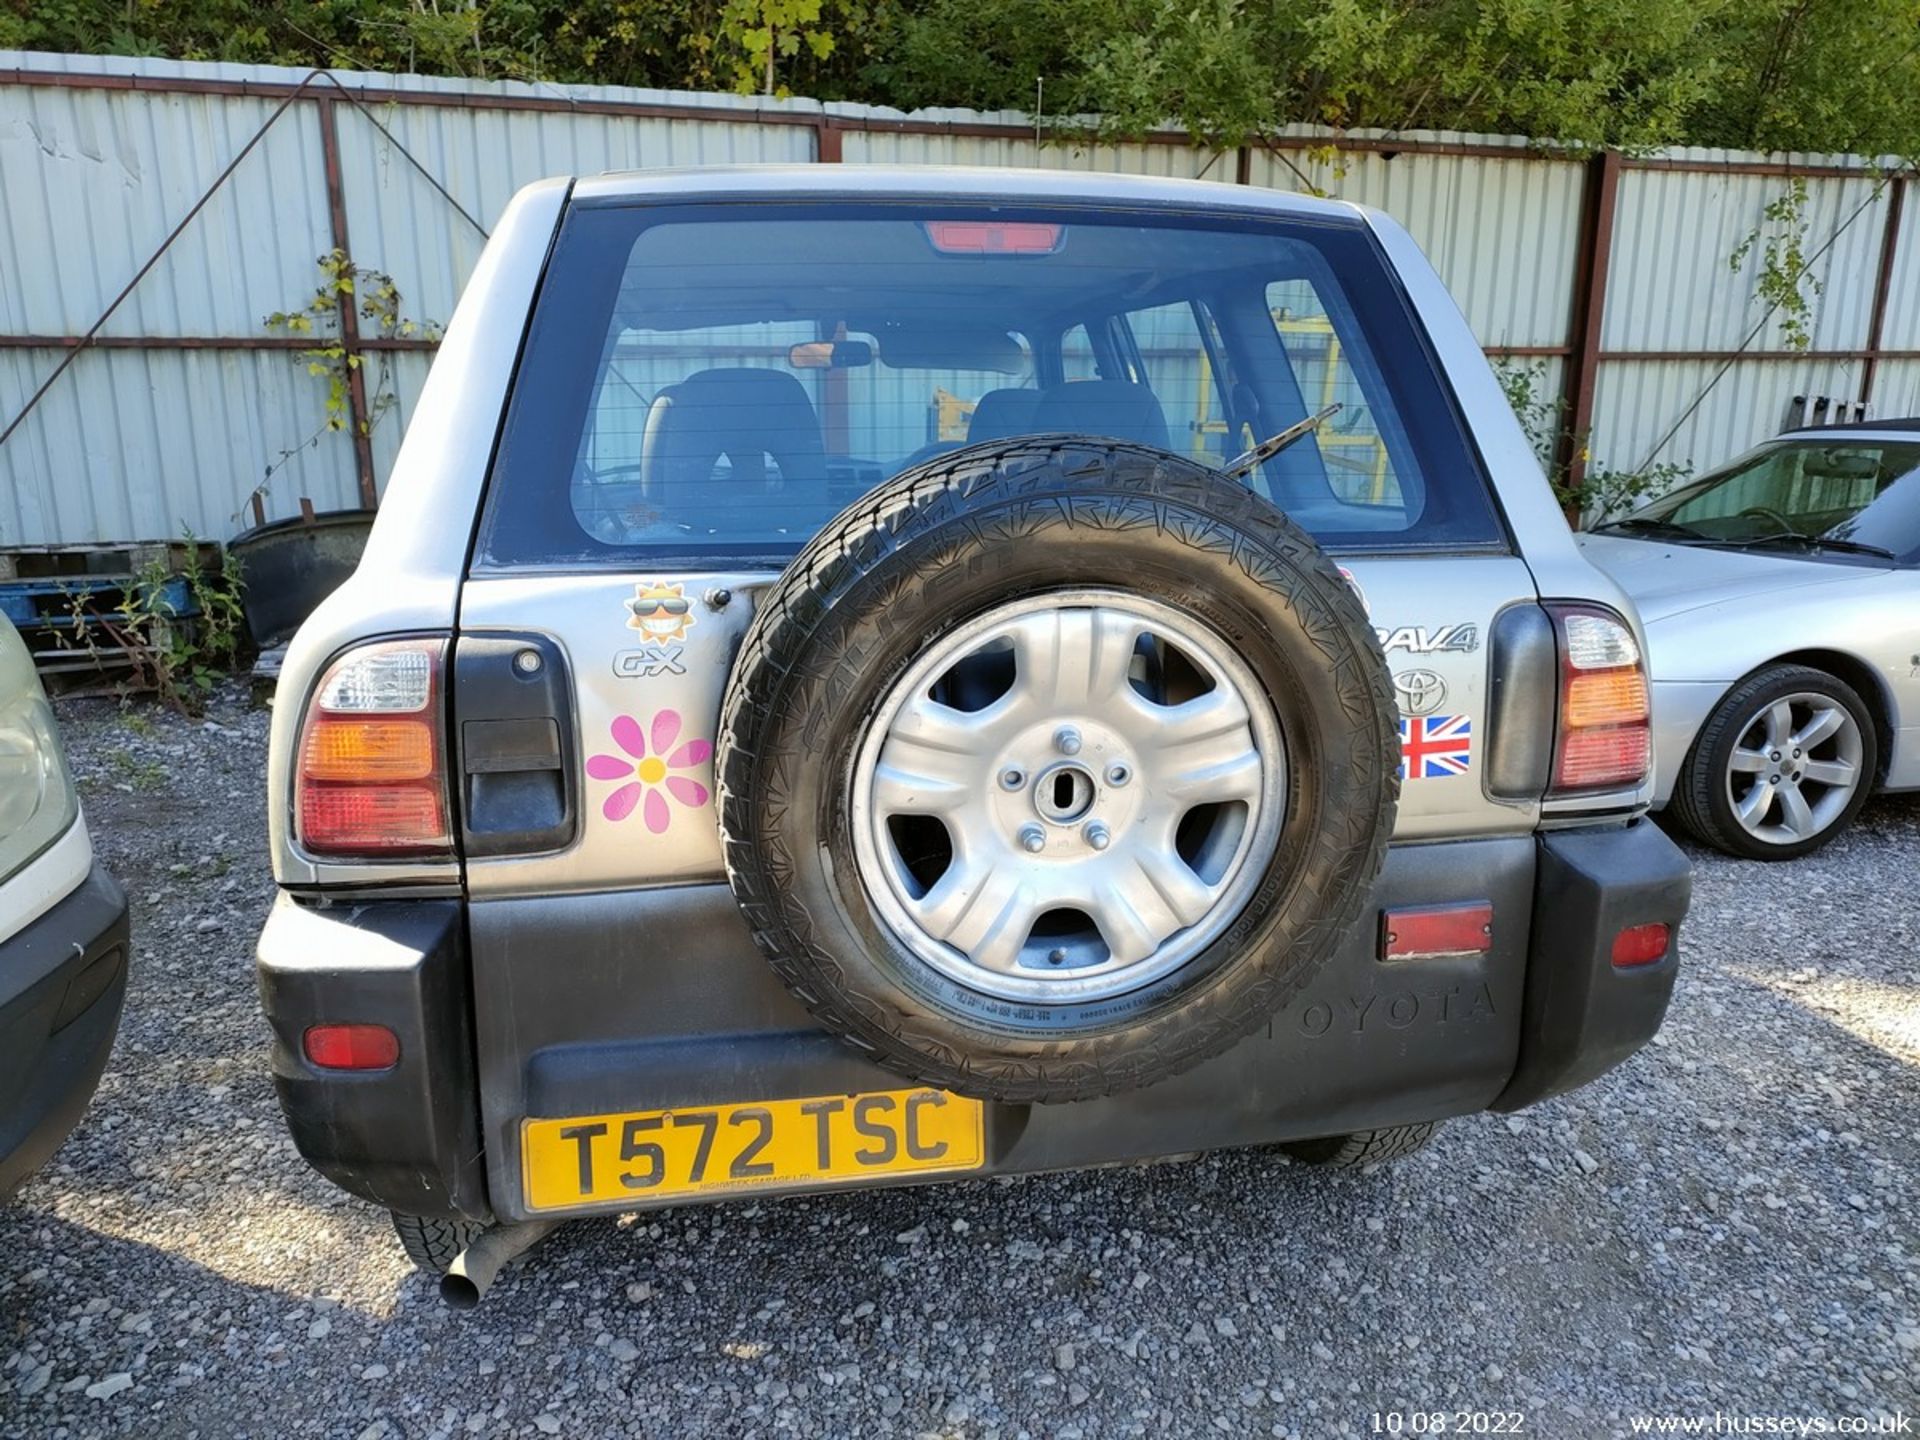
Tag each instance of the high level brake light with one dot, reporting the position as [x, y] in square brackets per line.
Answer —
[994, 237]
[371, 779]
[1603, 740]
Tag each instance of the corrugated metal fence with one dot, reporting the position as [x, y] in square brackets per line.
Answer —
[1609, 273]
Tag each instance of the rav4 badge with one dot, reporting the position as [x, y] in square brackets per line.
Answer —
[1419, 640]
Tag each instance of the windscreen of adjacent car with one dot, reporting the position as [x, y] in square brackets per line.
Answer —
[715, 381]
[1856, 491]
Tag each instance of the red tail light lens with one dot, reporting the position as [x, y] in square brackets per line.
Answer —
[1601, 759]
[370, 780]
[352, 1047]
[364, 819]
[1603, 741]
[1641, 945]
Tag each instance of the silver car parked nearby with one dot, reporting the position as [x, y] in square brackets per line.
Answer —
[1782, 607]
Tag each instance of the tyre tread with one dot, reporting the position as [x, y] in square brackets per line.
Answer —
[1363, 1147]
[1179, 496]
[434, 1242]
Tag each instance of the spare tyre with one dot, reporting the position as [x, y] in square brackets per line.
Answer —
[1054, 766]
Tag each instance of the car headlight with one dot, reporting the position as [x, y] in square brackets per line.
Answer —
[37, 801]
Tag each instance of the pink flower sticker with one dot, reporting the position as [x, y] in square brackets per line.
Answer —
[644, 770]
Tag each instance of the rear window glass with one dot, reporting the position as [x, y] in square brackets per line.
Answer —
[714, 382]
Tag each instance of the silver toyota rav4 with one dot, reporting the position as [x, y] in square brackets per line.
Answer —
[868, 675]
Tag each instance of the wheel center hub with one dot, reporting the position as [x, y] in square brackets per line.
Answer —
[1063, 794]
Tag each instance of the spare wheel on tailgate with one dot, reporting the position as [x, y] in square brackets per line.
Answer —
[1054, 766]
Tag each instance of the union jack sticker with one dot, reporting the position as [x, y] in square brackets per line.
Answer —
[1432, 746]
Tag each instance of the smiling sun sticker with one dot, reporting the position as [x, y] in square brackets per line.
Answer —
[660, 611]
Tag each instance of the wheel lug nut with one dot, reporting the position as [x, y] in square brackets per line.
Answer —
[1774, 756]
[1032, 839]
[1098, 836]
[1012, 779]
[1118, 774]
[1067, 740]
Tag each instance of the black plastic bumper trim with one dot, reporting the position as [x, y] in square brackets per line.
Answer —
[1582, 1016]
[63, 981]
[406, 1137]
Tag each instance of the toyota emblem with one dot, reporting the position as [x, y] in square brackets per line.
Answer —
[1420, 692]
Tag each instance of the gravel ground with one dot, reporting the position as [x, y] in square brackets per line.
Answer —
[1726, 1223]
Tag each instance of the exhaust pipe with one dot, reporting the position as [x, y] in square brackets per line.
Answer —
[475, 1268]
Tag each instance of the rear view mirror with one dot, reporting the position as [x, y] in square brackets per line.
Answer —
[830, 355]
[947, 347]
[1837, 464]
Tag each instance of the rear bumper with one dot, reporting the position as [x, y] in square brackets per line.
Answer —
[63, 980]
[405, 1137]
[596, 1004]
[1583, 1015]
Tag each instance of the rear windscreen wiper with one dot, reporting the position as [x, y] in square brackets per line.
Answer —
[1818, 542]
[1273, 445]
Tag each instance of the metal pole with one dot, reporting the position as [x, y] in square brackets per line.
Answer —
[1589, 311]
[357, 414]
[826, 137]
[1882, 288]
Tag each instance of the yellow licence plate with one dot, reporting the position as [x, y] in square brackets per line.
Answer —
[707, 1149]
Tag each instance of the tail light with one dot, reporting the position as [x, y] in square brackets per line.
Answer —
[1603, 741]
[371, 769]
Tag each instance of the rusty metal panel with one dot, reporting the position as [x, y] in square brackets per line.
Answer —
[1902, 330]
[147, 444]
[95, 179]
[400, 224]
[1896, 390]
[1637, 402]
[135, 444]
[884, 147]
[1673, 285]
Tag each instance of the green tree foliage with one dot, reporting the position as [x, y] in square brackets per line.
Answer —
[1821, 75]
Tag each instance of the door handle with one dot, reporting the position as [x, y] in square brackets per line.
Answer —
[513, 709]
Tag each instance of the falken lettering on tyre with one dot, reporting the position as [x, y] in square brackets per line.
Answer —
[1053, 767]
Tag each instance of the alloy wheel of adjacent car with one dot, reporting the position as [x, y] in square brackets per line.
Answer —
[1781, 767]
[1795, 768]
[1055, 766]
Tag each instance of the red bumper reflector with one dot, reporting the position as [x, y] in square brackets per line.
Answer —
[351, 1047]
[1437, 930]
[1640, 945]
